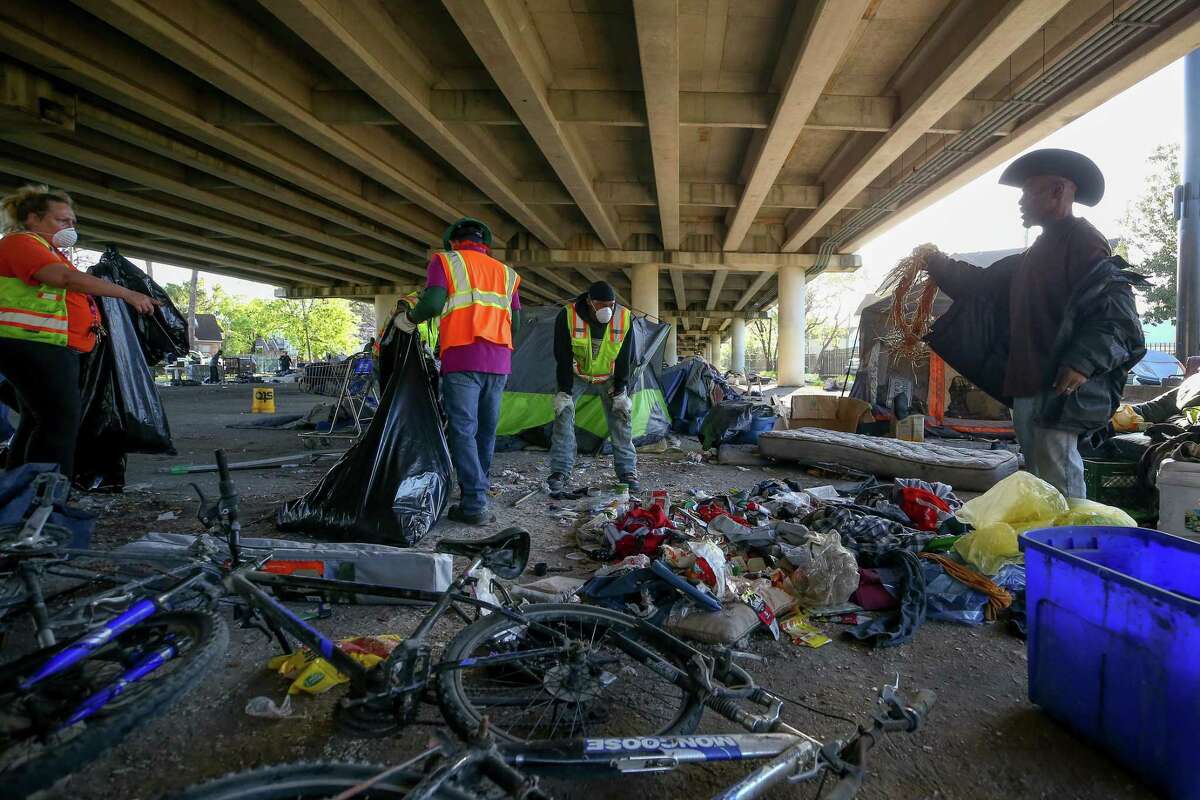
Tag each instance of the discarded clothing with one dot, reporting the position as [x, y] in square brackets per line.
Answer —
[868, 535]
[997, 599]
[899, 626]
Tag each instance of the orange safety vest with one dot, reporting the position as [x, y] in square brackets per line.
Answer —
[479, 305]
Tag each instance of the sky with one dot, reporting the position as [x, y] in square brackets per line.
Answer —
[1118, 136]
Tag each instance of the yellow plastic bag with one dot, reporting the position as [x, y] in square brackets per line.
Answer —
[1089, 512]
[989, 548]
[312, 675]
[1126, 420]
[1020, 500]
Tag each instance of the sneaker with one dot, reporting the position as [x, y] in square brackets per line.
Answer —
[557, 482]
[456, 514]
[632, 482]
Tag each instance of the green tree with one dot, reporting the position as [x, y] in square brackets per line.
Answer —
[1152, 234]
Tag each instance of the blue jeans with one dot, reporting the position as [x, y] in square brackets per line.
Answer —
[620, 433]
[1050, 454]
[472, 401]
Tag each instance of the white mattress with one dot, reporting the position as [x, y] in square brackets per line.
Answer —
[969, 470]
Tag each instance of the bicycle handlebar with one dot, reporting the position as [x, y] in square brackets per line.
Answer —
[854, 755]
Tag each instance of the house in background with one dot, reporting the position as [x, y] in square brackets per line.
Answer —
[271, 346]
[208, 337]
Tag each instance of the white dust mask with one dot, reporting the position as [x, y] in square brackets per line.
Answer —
[604, 314]
[65, 238]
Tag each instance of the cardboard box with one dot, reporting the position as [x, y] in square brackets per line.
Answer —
[828, 412]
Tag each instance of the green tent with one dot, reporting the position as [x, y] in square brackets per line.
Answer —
[527, 410]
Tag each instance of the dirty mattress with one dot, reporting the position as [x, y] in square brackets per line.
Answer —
[969, 470]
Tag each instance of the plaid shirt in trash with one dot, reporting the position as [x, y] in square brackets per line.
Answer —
[865, 532]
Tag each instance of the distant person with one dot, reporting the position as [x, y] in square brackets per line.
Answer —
[47, 319]
[591, 349]
[1067, 324]
[477, 300]
[214, 367]
[285, 363]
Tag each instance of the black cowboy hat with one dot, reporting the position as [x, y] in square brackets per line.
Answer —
[1075, 167]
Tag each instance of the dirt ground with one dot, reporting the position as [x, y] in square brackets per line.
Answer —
[984, 741]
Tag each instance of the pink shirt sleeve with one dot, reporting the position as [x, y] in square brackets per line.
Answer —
[435, 274]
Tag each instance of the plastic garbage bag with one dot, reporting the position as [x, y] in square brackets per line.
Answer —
[950, 600]
[989, 548]
[735, 422]
[266, 708]
[310, 674]
[165, 331]
[826, 572]
[1020, 500]
[122, 412]
[393, 484]
[1089, 512]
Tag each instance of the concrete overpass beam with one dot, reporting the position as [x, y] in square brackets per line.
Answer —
[791, 326]
[658, 47]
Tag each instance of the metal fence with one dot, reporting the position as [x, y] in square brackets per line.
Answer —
[1162, 347]
[829, 363]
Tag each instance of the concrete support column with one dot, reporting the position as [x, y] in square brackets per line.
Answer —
[737, 358]
[385, 304]
[714, 344]
[791, 325]
[643, 292]
[671, 349]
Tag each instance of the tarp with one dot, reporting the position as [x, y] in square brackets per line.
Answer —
[122, 412]
[527, 409]
[692, 387]
[393, 484]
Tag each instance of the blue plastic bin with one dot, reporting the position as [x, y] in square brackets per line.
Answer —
[1114, 644]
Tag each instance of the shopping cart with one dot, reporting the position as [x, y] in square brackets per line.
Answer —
[353, 382]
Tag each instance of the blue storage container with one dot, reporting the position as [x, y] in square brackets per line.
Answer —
[1114, 644]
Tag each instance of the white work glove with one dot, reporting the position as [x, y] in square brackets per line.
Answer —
[562, 401]
[622, 406]
[404, 323]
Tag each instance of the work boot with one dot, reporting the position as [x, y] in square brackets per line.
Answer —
[632, 482]
[557, 482]
[456, 514]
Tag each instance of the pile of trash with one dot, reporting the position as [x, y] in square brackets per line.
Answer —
[878, 559]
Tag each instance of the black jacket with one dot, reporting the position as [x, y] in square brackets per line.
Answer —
[1101, 337]
[564, 361]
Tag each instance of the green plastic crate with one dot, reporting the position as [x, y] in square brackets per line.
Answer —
[1114, 483]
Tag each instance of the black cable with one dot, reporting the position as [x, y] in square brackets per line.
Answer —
[815, 710]
[821, 786]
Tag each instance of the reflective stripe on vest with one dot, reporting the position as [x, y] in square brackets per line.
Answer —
[479, 308]
[33, 313]
[596, 368]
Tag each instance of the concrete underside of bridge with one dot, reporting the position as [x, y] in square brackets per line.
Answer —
[707, 157]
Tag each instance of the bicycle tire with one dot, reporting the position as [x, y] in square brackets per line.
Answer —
[89, 739]
[300, 780]
[465, 718]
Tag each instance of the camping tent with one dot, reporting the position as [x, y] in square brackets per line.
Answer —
[527, 409]
[931, 386]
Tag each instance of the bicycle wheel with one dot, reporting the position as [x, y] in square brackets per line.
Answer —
[298, 781]
[38, 746]
[581, 671]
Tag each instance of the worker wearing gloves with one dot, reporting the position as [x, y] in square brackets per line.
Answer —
[477, 301]
[592, 349]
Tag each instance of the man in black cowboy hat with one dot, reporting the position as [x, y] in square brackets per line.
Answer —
[1051, 331]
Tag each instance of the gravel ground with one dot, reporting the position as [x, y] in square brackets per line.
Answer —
[984, 741]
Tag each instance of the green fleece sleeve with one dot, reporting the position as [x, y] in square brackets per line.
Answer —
[432, 301]
[516, 322]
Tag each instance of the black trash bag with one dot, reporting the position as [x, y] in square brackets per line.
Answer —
[394, 483]
[122, 412]
[735, 422]
[165, 331]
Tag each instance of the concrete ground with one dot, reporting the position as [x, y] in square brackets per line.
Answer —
[985, 741]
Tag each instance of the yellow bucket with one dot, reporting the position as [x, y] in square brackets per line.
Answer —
[263, 401]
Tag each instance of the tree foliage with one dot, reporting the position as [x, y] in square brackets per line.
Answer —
[826, 319]
[311, 327]
[1151, 233]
